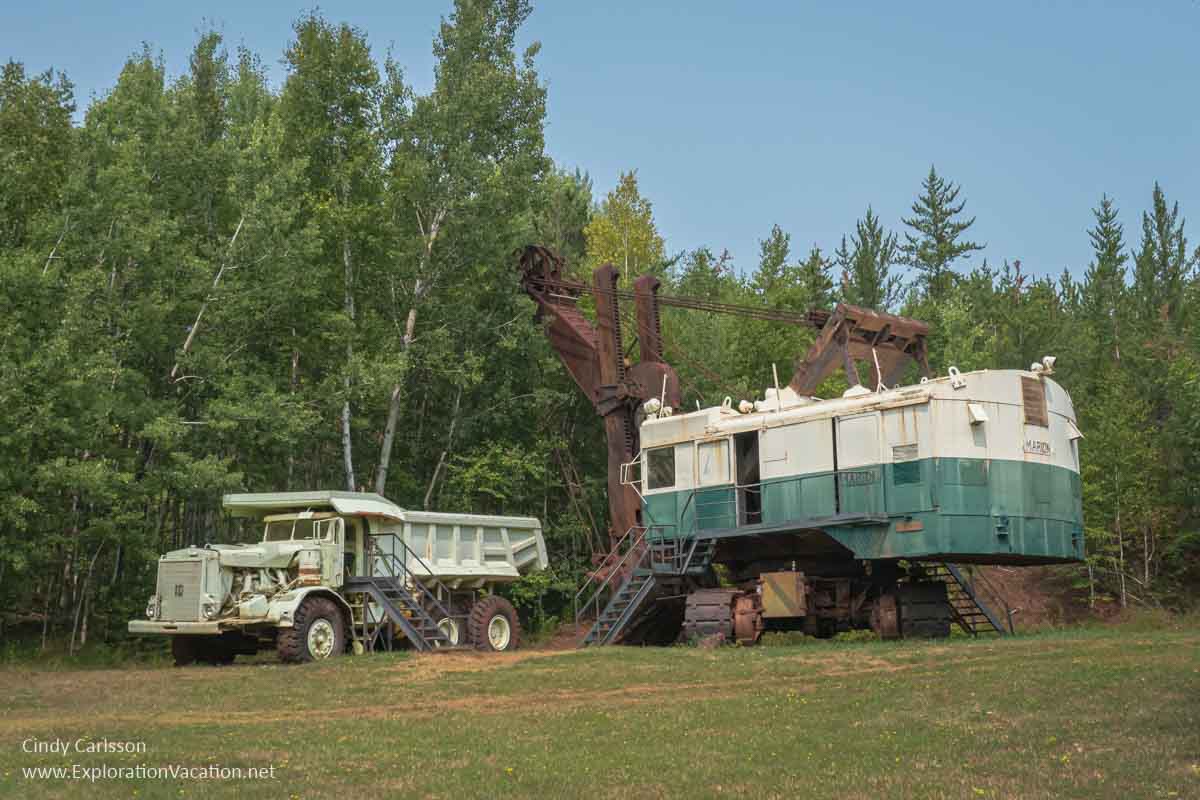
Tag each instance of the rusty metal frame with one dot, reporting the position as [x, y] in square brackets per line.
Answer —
[594, 355]
[852, 333]
[595, 358]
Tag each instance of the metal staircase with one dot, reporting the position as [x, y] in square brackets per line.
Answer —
[635, 573]
[687, 555]
[621, 609]
[392, 594]
[971, 611]
[618, 569]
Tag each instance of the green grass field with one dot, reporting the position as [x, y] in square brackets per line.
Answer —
[1086, 713]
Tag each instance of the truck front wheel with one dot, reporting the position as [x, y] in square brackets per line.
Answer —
[493, 625]
[185, 649]
[317, 633]
[217, 650]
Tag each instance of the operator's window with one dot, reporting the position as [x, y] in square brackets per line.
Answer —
[713, 463]
[278, 531]
[328, 530]
[660, 468]
[304, 529]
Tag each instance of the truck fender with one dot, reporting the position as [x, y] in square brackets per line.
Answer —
[283, 607]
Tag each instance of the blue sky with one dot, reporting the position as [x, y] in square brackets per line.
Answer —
[738, 116]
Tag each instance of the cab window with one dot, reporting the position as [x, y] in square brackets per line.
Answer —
[713, 466]
[286, 529]
[660, 468]
[278, 531]
[329, 530]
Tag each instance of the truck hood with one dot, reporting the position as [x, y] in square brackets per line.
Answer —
[260, 555]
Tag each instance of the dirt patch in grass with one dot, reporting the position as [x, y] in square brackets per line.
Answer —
[428, 666]
[567, 637]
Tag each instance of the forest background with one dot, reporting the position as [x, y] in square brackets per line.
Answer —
[213, 284]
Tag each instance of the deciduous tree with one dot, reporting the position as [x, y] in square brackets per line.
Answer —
[622, 232]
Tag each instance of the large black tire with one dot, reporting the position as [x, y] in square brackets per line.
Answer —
[185, 649]
[222, 650]
[320, 617]
[493, 625]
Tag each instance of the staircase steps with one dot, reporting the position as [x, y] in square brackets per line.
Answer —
[971, 612]
[624, 606]
[701, 558]
[402, 607]
[688, 556]
[634, 577]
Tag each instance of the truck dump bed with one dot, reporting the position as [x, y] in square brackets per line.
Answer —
[458, 549]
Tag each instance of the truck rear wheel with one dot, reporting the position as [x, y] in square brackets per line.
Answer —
[449, 627]
[493, 625]
[317, 633]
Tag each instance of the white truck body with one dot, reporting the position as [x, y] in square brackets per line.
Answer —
[460, 550]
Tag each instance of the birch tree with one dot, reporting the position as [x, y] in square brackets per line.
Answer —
[464, 162]
[330, 112]
[623, 233]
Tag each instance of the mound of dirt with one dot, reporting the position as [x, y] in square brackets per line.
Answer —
[565, 638]
[1047, 595]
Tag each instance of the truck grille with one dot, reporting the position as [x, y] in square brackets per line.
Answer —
[179, 588]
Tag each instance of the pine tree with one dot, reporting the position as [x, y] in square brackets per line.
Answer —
[867, 278]
[815, 285]
[842, 258]
[1161, 265]
[773, 255]
[936, 244]
[1103, 290]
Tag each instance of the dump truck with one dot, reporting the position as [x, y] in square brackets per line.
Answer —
[338, 572]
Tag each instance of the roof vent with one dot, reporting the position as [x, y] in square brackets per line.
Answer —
[1033, 397]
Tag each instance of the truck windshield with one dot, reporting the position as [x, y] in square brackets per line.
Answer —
[281, 531]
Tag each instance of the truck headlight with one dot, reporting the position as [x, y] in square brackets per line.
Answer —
[152, 607]
[209, 610]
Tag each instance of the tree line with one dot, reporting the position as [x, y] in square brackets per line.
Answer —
[214, 284]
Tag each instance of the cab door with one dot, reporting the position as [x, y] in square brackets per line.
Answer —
[715, 499]
[859, 465]
[332, 536]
